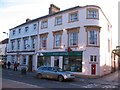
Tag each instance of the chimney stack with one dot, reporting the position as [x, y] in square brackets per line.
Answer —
[53, 9]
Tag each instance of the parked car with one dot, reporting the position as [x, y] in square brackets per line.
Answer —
[53, 73]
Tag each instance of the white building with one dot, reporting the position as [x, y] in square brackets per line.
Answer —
[77, 39]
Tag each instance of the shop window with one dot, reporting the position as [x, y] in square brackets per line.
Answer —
[44, 61]
[73, 64]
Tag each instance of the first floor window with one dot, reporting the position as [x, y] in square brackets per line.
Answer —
[73, 38]
[43, 41]
[25, 43]
[57, 40]
[13, 43]
[93, 37]
[33, 43]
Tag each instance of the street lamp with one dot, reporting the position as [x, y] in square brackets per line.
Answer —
[6, 33]
[6, 45]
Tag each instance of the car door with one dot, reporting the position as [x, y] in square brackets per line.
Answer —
[52, 73]
[44, 72]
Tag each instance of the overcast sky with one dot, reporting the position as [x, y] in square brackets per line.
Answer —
[15, 12]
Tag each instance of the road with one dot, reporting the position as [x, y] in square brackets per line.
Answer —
[14, 79]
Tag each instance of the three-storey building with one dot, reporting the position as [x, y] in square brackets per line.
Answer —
[77, 39]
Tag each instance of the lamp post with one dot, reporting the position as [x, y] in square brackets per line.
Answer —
[6, 44]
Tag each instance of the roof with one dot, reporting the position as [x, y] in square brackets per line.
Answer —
[49, 15]
[5, 41]
[46, 16]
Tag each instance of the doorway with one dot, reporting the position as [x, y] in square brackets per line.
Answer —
[30, 63]
[93, 69]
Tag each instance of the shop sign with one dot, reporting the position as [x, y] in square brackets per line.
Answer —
[62, 53]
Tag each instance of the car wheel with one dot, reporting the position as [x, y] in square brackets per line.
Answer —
[60, 78]
[40, 76]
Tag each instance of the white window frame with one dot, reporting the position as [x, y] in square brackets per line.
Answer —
[57, 40]
[58, 20]
[73, 17]
[44, 24]
[94, 36]
[92, 14]
[73, 39]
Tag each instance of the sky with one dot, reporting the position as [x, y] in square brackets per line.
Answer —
[15, 12]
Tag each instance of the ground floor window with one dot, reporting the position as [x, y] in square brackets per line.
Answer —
[43, 61]
[72, 63]
[13, 59]
[24, 59]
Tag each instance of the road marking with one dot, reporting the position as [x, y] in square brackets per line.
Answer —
[17, 82]
[75, 84]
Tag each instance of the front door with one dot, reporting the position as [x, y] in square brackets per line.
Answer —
[30, 63]
[93, 69]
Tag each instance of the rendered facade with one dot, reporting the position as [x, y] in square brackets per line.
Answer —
[77, 40]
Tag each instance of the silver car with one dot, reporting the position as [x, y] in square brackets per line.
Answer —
[53, 73]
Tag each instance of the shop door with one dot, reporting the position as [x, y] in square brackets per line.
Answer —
[30, 63]
[93, 69]
[56, 62]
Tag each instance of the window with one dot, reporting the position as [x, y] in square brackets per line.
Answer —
[72, 63]
[108, 45]
[33, 42]
[18, 42]
[13, 59]
[93, 58]
[93, 37]
[25, 43]
[24, 59]
[13, 32]
[26, 29]
[58, 20]
[57, 40]
[73, 17]
[73, 38]
[43, 41]
[13, 43]
[44, 24]
[92, 13]
[34, 26]
[19, 30]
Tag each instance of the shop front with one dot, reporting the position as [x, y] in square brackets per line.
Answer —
[68, 61]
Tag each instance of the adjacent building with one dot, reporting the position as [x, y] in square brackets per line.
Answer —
[77, 40]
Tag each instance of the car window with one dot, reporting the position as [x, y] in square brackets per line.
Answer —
[45, 68]
[50, 68]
